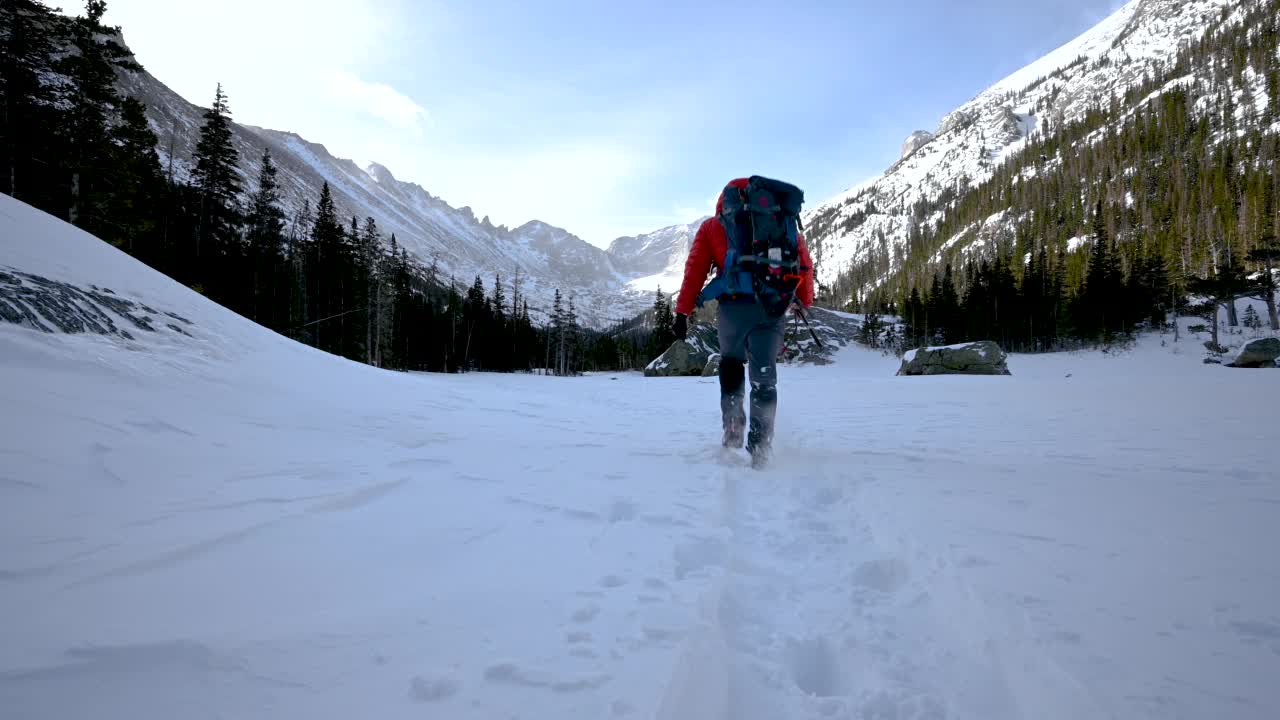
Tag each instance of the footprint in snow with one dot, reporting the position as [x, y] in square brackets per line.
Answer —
[428, 689]
[886, 575]
[512, 674]
[622, 511]
[586, 614]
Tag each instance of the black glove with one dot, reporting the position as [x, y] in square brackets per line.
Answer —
[681, 327]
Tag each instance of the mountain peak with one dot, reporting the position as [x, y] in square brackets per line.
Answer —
[380, 174]
[973, 140]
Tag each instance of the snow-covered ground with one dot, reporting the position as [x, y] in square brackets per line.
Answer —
[227, 524]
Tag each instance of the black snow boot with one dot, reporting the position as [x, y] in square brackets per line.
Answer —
[733, 416]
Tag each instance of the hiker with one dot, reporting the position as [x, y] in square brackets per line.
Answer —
[769, 269]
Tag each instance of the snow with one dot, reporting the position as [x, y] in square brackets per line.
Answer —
[975, 139]
[667, 281]
[233, 525]
[1092, 43]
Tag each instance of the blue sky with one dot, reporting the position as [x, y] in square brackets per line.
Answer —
[604, 118]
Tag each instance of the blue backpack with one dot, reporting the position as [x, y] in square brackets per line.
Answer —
[762, 260]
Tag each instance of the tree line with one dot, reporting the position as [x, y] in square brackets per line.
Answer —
[77, 148]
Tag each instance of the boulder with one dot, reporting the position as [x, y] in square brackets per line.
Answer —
[683, 358]
[1258, 354]
[712, 368]
[975, 358]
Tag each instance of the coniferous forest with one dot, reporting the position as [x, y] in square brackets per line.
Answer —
[76, 148]
[1175, 197]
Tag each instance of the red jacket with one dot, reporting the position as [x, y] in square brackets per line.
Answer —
[710, 245]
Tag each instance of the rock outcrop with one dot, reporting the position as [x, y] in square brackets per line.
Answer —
[976, 358]
[683, 358]
[1258, 354]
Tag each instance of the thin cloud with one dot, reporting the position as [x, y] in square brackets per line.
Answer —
[380, 100]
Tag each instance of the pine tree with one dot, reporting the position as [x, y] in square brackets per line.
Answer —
[555, 338]
[950, 323]
[371, 266]
[499, 300]
[1267, 255]
[663, 325]
[1101, 300]
[323, 263]
[216, 180]
[136, 186]
[869, 333]
[264, 227]
[90, 95]
[28, 33]
[1251, 320]
[571, 330]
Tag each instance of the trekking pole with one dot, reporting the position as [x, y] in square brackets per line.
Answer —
[801, 313]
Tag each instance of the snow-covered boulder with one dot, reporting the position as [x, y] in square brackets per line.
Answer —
[683, 358]
[712, 368]
[975, 358]
[1258, 354]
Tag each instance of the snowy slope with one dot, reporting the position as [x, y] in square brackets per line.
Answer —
[223, 523]
[974, 139]
[655, 260]
[546, 258]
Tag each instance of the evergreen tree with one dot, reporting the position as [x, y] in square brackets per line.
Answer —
[370, 250]
[323, 264]
[264, 227]
[914, 320]
[555, 336]
[89, 94]
[136, 188]
[475, 319]
[1267, 255]
[499, 300]
[949, 324]
[1100, 305]
[29, 32]
[1251, 320]
[571, 330]
[663, 325]
[869, 333]
[1219, 290]
[216, 181]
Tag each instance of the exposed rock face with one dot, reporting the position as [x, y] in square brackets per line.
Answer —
[835, 330]
[51, 306]
[683, 358]
[977, 358]
[918, 139]
[1258, 354]
[713, 367]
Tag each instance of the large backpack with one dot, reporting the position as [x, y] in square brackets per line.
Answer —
[762, 225]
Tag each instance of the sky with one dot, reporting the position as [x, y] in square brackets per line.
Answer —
[607, 119]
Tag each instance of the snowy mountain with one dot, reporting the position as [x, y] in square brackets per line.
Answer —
[545, 258]
[655, 260]
[1119, 53]
[201, 519]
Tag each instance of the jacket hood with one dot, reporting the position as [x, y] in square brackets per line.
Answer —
[737, 183]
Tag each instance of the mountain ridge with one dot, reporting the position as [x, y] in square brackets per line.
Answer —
[544, 257]
[875, 216]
